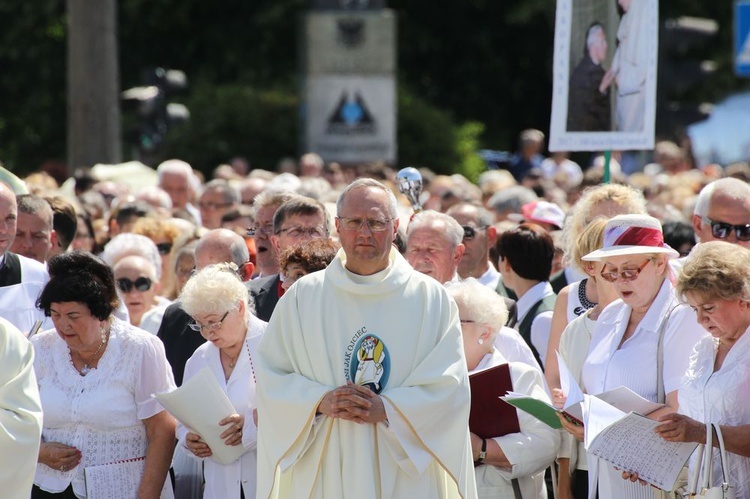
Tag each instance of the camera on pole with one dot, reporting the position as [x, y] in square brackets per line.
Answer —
[156, 115]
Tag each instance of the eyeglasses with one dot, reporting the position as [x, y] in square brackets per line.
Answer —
[721, 230]
[210, 205]
[313, 232]
[211, 326]
[164, 248]
[266, 230]
[624, 274]
[471, 232]
[357, 224]
[140, 284]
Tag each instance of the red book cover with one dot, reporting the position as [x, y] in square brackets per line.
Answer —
[490, 416]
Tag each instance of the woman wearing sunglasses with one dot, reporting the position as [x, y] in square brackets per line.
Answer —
[138, 284]
[626, 338]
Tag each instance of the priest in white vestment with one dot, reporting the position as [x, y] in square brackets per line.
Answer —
[402, 432]
[20, 413]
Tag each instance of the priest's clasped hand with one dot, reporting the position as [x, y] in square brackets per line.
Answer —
[353, 403]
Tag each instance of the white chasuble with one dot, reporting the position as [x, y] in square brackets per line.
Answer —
[396, 332]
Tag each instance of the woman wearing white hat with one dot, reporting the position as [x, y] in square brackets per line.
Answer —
[628, 334]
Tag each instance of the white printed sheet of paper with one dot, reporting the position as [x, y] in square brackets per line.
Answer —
[631, 444]
[200, 404]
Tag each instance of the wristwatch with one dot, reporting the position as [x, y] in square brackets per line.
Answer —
[483, 452]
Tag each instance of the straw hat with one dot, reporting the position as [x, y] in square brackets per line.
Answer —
[632, 235]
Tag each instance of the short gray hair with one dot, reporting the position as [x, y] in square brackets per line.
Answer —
[730, 187]
[482, 303]
[214, 290]
[126, 244]
[512, 199]
[453, 232]
[366, 183]
[35, 205]
[230, 193]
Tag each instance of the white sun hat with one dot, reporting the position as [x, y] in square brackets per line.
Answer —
[632, 235]
[540, 211]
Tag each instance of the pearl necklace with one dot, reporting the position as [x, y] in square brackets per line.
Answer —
[86, 367]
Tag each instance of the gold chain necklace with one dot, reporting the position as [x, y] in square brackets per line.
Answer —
[86, 367]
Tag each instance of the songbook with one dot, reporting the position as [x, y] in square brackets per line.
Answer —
[621, 398]
[119, 479]
[630, 443]
[490, 417]
[200, 404]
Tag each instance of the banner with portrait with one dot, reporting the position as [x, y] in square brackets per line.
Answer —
[604, 75]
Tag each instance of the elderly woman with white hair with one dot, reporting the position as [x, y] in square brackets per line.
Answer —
[518, 457]
[148, 310]
[217, 300]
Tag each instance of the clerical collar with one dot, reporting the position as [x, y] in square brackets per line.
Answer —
[367, 279]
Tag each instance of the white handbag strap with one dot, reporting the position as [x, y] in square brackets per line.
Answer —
[704, 460]
[708, 458]
[722, 453]
[693, 483]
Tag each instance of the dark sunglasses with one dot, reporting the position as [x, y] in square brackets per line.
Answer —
[471, 232]
[164, 248]
[140, 284]
[721, 230]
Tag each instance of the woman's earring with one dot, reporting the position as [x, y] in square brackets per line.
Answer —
[480, 341]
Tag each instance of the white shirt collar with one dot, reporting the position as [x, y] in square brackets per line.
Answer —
[491, 277]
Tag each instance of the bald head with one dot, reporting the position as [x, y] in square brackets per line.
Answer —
[221, 246]
[8, 217]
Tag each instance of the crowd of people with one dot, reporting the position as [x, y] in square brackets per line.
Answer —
[346, 329]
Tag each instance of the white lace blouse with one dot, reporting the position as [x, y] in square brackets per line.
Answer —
[101, 413]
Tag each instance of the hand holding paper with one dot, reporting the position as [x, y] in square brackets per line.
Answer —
[201, 404]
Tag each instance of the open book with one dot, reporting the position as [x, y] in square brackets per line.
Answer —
[629, 442]
[621, 398]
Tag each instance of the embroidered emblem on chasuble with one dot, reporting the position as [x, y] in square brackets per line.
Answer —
[367, 361]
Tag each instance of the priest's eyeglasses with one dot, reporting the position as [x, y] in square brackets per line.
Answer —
[357, 224]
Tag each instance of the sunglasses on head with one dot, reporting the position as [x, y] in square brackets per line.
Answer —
[722, 230]
[164, 248]
[140, 284]
[471, 232]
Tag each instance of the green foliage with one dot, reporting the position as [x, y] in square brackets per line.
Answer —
[462, 65]
[467, 144]
[236, 120]
[426, 134]
[32, 107]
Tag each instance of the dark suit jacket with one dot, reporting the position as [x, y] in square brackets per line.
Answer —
[179, 340]
[10, 274]
[558, 281]
[588, 109]
[265, 292]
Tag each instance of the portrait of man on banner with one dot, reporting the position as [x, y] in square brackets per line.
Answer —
[604, 86]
